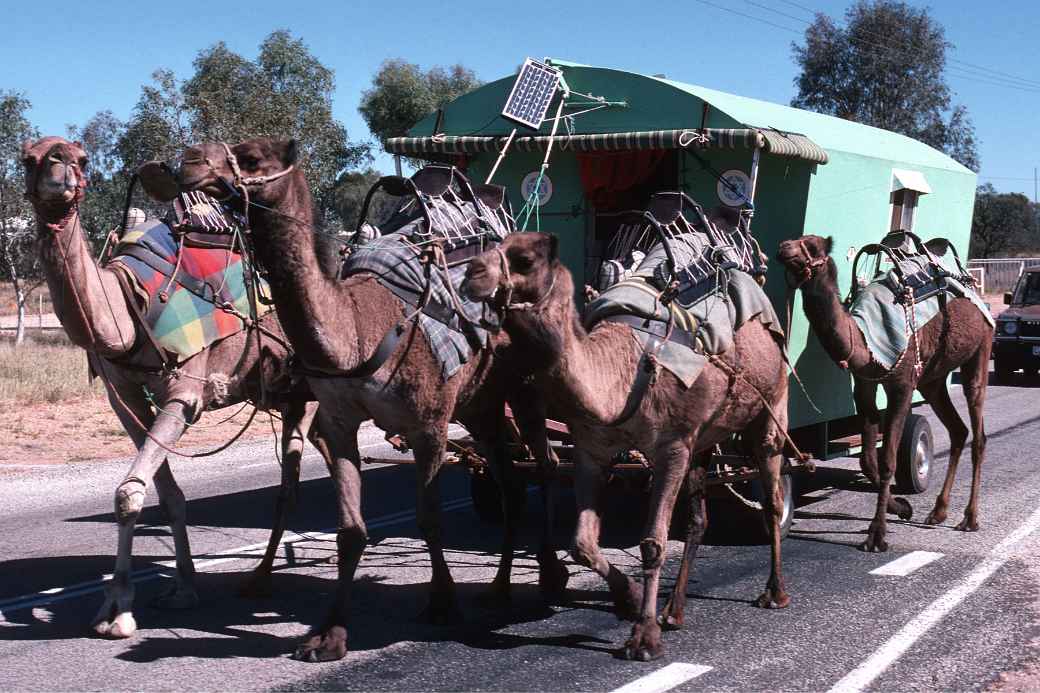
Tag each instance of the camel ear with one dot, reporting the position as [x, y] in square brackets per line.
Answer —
[27, 146]
[291, 152]
[828, 244]
[554, 247]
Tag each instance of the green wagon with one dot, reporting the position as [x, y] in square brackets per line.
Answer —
[626, 136]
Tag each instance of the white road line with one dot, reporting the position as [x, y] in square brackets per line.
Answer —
[665, 678]
[862, 676]
[907, 564]
[79, 589]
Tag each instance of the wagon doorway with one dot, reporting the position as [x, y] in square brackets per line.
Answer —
[618, 182]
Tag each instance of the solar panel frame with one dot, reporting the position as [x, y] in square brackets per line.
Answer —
[532, 94]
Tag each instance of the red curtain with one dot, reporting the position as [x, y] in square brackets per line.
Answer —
[610, 179]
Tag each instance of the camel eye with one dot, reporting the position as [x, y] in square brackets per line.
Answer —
[522, 263]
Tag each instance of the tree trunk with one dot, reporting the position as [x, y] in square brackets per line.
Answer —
[19, 333]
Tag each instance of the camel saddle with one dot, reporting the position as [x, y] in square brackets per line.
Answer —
[440, 204]
[897, 302]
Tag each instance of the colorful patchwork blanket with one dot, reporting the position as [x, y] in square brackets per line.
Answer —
[185, 315]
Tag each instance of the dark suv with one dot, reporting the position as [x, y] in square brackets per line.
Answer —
[1018, 328]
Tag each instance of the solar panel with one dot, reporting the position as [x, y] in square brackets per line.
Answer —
[532, 93]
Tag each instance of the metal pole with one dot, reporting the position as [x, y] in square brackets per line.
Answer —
[397, 164]
[501, 156]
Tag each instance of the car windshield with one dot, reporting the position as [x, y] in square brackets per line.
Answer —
[1028, 290]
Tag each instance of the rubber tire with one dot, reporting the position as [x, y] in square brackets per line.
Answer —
[487, 501]
[730, 522]
[912, 476]
[1002, 373]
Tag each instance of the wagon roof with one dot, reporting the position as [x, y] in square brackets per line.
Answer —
[656, 104]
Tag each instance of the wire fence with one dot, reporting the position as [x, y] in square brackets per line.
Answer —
[1000, 274]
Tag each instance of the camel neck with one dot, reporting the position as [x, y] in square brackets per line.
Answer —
[87, 299]
[589, 375]
[314, 311]
[837, 331]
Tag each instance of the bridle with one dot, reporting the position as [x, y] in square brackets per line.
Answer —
[507, 284]
[73, 205]
[808, 267]
[239, 185]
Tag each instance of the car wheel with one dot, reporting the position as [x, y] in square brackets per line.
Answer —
[914, 455]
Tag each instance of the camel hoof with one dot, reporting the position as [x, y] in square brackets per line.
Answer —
[645, 644]
[552, 580]
[905, 511]
[771, 600]
[935, 518]
[328, 647]
[874, 546]
[177, 598]
[968, 525]
[441, 611]
[669, 622]
[256, 586]
[120, 627]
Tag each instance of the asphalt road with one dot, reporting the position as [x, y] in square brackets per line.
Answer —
[954, 623]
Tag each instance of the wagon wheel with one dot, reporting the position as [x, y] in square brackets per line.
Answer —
[735, 511]
[914, 455]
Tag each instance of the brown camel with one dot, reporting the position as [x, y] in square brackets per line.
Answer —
[93, 309]
[958, 337]
[335, 325]
[590, 377]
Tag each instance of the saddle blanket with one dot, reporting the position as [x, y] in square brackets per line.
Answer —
[396, 264]
[708, 324]
[882, 319]
[190, 319]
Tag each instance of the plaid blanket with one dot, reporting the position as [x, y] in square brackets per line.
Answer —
[396, 265]
[186, 322]
[723, 303]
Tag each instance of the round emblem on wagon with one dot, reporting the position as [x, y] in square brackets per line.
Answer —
[734, 188]
[545, 188]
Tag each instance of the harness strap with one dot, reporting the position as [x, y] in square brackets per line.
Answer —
[369, 366]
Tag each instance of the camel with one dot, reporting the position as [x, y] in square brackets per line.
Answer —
[335, 326]
[960, 338]
[93, 309]
[590, 377]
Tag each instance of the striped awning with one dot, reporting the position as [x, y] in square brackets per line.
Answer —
[771, 141]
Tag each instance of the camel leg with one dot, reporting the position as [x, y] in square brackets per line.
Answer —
[865, 393]
[297, 418]
[501, 466]
[899, 399]
[975, 373]
[673, 615]
[115, 617]
[588, 490]
[530, 414]
[670, 465]
[769, 465]
[938, 396]
[442, 608]
[330, 642]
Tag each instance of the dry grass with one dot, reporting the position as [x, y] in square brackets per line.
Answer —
[44, 370]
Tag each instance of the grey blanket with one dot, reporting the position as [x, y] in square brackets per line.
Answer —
[728, 300]
[396, 265]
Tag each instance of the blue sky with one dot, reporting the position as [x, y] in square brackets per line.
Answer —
[75, 59]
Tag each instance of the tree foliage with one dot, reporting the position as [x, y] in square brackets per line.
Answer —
[351, 190]
[18, 258]
[1003, 224]
[402, 94]
[885, 67]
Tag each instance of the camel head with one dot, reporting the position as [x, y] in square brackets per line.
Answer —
[524, 266]
[55, 172]
[260, 164]
[808, 259]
